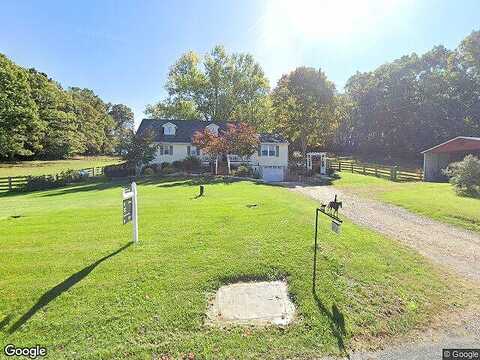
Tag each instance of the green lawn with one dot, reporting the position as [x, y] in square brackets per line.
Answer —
[71, 281]
[24, 168]
[435, 200]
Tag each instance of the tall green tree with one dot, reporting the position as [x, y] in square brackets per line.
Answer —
[20, 126]
[304, 105]
[414, 102]
[94, 123]
[217, 86]
[61, 138]
[123, 130]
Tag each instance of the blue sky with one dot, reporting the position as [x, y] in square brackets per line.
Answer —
[123, 49]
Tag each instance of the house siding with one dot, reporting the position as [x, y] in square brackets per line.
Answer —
[281, 160]
[180, 153]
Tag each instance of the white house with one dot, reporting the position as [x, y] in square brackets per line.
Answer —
[174, 138]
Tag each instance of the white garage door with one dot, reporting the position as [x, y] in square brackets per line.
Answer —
[272, 173]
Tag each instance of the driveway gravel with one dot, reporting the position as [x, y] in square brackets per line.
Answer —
[450, 247]
[446, 245]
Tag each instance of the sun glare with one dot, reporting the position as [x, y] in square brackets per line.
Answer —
[324, 19]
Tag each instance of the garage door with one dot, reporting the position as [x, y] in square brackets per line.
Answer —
[272, 173]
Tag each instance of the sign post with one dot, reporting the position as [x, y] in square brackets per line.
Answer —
[335, 226]
[130, 209]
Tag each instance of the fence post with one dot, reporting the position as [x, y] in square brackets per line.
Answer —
[93, 171]
[352, 166]
[339, 166]
[376, 170]
[9, 183]
[393, 173]
[364, 170]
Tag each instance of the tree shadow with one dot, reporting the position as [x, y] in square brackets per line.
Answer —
[57, 290]
[84, 188]
[169, 183]
[5, 321]
[336, 320]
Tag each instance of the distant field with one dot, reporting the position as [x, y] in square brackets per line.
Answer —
[47, 167]
[434, 200]
[71, 281]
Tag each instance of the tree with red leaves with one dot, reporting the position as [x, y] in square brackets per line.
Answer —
[239, 139]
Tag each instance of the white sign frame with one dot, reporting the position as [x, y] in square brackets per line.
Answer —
[133, 195]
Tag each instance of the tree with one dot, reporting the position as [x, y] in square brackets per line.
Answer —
[217, 86]
[140, 149]
[20, 126]
[303, 102]
[239, 139]
[465, 175]
[175, 110]
[61, 138]
[122, 116]
[38, 118]
[414, 102]
[123, 130]
[94, 123]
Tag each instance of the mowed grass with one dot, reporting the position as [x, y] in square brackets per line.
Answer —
[435, 200]
[48, 167]
[71, 281]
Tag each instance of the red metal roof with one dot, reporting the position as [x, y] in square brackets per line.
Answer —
[460, 143]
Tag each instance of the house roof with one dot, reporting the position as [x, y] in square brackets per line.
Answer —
[460, 143]
[186, 128]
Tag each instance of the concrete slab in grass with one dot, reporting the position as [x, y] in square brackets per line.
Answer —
[252, 303]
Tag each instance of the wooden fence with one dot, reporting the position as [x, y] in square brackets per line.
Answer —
[394, 173]
[10, 183]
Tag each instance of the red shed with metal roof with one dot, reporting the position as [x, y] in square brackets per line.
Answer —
[440, 156]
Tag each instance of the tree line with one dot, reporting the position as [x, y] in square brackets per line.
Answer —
[394, 111]
[40, 119]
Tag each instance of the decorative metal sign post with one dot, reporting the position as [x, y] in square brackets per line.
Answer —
[130, 209]
[330, 210]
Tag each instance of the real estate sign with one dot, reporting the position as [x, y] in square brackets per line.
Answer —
[130, 209]
[127, 210]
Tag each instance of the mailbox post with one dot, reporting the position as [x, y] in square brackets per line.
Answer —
[130, 209]
[335, 226]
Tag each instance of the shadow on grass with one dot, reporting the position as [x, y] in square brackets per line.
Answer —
[302, 182]
[103, 184]
[336, 320]
[84, 188]
[5, 321]
[57, 290]
[88, 185]
[188, 181]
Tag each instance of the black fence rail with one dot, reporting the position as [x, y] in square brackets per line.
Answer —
[11, 183]
[394, 173]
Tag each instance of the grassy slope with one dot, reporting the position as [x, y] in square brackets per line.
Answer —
[435, 200]
[150, 299]
[25, 168]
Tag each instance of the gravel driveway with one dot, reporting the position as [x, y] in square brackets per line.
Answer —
[450, 247]
[446, 245]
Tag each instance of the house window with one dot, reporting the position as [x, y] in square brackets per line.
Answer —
[169, 130]
[166, 150]
[193, 151]
[269, 150]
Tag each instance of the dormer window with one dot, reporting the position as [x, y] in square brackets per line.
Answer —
[169, 129]
[213, 128]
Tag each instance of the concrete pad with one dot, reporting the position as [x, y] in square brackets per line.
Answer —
[252, 303]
